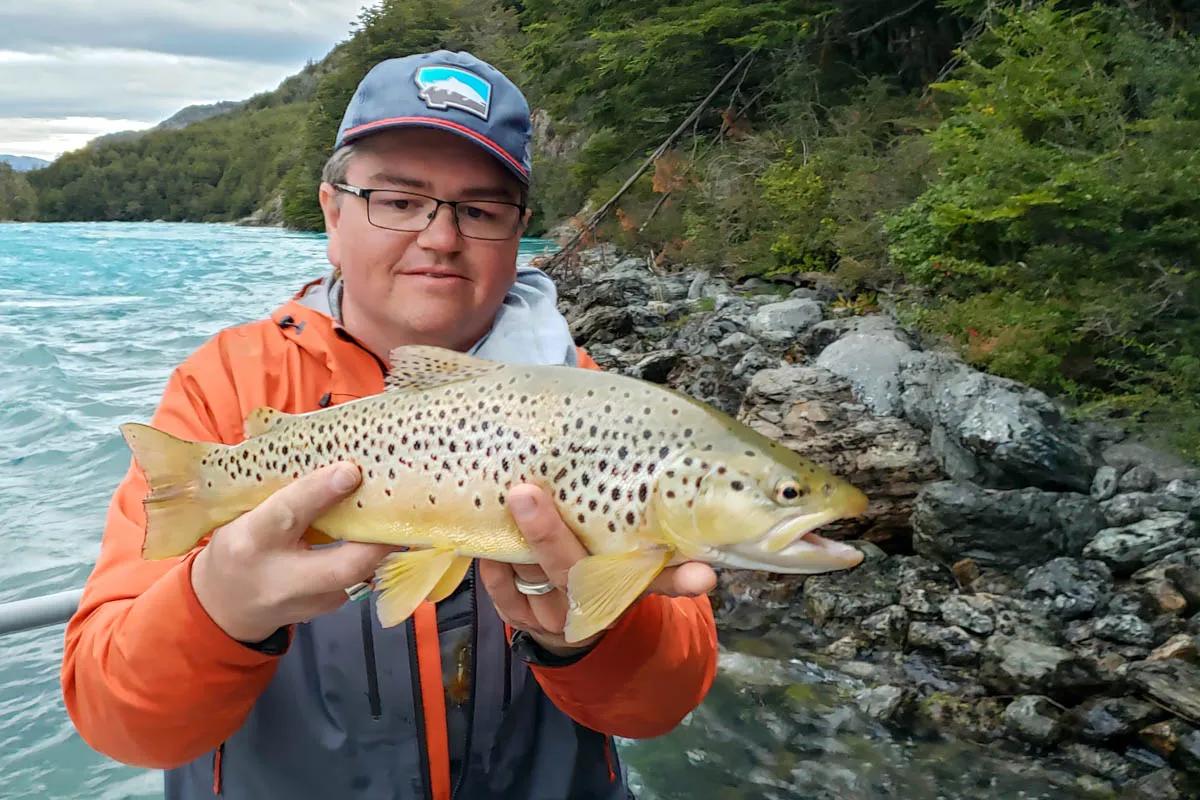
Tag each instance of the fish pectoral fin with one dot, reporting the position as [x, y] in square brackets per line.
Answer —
[450, 579]
[600, 588]
[403, 580]
[263, 419]
[416, 367]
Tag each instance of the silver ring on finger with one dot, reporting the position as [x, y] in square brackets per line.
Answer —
[533, 589]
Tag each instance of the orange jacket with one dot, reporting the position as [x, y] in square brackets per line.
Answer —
[150, 680]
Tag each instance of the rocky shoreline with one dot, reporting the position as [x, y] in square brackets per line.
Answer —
[1031, 583]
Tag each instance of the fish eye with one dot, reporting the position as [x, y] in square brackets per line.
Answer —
[787, 491]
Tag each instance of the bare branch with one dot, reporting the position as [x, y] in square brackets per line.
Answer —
[887, 19]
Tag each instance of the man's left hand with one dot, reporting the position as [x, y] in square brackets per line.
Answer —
[557, 549]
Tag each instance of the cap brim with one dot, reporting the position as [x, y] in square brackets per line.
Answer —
[392, 123]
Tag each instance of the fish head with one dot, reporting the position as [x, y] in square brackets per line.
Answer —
[756, 508]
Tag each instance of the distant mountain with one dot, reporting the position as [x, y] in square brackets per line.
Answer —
[23, 163]
[177, 121]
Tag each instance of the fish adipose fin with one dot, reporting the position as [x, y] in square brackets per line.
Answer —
[263, 419]
[416, 367]
[404, 580]
[600, 588]
[177, 513]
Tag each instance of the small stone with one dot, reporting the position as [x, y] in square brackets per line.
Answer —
[1022, 665]
[958, 646]
[1172, 683]
[1162, 784]
[1125, 629]
[1035, 719]
[1168, 598]
[1097, 761]
[1104, 485]
[1070, 588]
[966, 613]
[884, 703]
[1137, 479]
[965, 572]
[887, 625]
[1187, 754]
[1104, 718]
[845, 648]
[1181, 646]
[1163, 737]
[1187, 580]
[785, 319]
[1127, 548]
[917, 600]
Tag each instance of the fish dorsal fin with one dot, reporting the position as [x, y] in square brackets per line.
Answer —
[417, 367]
[263, 419]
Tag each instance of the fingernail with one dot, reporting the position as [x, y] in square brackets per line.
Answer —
[522, 505]
[345, 478]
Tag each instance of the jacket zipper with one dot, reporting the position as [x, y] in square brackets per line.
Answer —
[414, 669]
[466, 754]
[368, 637]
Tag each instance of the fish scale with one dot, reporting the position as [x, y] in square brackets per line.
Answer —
[643, 475]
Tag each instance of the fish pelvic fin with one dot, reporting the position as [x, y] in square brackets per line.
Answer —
[600, 588]
[404, 580]
[177, 514]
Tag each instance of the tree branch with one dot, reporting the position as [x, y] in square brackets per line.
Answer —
[887, 19]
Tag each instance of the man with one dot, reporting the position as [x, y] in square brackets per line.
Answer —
[241, 668]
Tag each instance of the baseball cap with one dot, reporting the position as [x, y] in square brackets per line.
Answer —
[447, 90]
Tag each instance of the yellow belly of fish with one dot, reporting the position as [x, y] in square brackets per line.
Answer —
[403, 520]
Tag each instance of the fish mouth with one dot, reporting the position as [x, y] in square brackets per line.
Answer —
[790, 546]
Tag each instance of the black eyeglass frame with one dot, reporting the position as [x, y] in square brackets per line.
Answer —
[365, 194]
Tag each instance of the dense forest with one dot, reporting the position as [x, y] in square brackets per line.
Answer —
[1016, 179]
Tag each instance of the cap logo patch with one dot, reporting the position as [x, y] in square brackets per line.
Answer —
[443, 87]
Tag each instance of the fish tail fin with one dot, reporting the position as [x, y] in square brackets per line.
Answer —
[177, 514]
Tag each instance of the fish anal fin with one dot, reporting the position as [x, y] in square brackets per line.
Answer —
[416, 367]
[263, 419]
[450, 580]
[404, 580]
[601, 587]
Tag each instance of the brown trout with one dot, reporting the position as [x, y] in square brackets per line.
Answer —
[645, 476]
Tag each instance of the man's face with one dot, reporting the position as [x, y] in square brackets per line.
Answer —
[433, 287]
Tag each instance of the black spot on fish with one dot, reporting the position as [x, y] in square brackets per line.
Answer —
[612, 527]
[737, 486]
[478, 502]
[616, 493]
[623, 453]
[629, 518]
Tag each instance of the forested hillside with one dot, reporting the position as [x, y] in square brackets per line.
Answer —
[1016, 178]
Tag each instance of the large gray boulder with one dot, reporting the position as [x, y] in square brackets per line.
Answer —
[997, 528]
[870, 357]
[991, 430]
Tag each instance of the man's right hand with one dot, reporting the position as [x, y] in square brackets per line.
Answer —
[256, 574]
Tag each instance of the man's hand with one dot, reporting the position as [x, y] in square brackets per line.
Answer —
[256, 575]
[557, 549]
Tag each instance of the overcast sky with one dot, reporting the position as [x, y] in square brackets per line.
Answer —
[71, 70]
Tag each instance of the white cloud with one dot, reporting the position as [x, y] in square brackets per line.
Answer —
[50, 138]
[71, 70]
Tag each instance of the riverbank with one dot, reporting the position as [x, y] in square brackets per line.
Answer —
[1032, 584]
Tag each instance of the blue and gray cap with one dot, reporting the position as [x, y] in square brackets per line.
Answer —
[451, 91]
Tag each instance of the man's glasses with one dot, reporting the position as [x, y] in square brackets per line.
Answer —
[411, 212]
